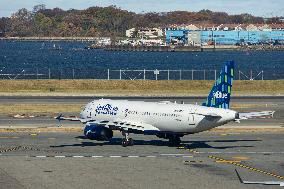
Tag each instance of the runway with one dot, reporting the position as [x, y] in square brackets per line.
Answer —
[244, 104]
[206, 160]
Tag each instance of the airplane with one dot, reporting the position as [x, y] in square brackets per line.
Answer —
[280, 183]
[168, 120]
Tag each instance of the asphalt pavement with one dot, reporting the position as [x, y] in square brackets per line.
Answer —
[206, 160]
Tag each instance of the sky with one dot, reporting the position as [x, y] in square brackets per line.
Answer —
[264, 8]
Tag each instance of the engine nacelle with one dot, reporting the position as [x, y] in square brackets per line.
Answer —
[97, 132]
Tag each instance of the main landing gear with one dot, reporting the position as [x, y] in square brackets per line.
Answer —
[126, 141]
[174, 140]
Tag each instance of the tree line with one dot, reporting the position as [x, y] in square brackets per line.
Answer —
[107, 21]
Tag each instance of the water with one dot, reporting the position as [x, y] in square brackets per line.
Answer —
[70, 59]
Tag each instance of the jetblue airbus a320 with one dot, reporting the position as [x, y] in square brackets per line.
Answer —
[164, 119]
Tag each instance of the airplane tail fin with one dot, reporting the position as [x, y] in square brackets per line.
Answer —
[219, 96]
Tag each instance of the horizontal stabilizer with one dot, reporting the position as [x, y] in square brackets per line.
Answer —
[258, 115]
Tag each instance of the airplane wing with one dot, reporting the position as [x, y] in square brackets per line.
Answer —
[127, 125]
[251, 115]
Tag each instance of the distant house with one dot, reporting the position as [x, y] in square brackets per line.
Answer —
[276, 27]
[130, 32]
[265, 27]
[239, 27]
[252, 27]
[192, 27]
[150, 32]
[208, 27]
[144, 32]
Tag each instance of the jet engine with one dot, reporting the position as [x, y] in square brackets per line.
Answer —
[97, 132]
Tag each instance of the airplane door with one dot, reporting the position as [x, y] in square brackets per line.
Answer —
[191, 120]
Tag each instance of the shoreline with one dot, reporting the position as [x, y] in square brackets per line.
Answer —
[148, 48]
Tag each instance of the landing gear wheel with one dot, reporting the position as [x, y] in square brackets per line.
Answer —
[124, 142]
[130, 141]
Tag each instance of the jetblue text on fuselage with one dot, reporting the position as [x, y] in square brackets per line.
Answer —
[107, 109]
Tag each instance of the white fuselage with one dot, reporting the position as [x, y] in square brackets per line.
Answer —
[165, 116]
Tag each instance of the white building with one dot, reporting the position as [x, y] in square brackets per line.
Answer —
[149, 33]
[129, 33]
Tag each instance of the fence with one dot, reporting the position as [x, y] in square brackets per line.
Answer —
[122, 74]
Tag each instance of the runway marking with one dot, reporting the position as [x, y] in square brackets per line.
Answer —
[187, 156]
[10, 149]
[221, 160]
[110, 156]
[227, 161]
[246, 167]
[172, 154]
[241, 157]
[240, 152]
[97, 156]
[186, 162]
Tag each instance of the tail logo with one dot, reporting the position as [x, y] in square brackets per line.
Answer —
[219, 94]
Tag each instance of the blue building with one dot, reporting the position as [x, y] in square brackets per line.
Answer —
[220, 37]
[234, 37]
[178, 35]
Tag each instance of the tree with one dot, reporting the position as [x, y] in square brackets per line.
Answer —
[38, 8]
[21, 23]
[3, 26]
[43, 24]
[108, 21]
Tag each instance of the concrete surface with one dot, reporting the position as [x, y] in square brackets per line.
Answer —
[67, 160]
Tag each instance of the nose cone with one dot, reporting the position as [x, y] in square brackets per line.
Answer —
[83, 114]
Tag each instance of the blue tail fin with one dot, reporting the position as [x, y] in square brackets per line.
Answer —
[219, 96]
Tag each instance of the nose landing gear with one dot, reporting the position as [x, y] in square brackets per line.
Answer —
[126, 141]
